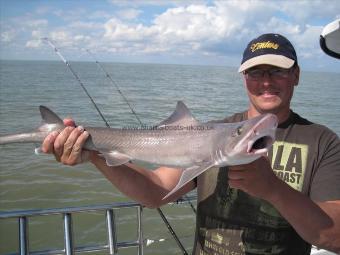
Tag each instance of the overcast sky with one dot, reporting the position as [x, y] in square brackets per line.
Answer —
[161, 31]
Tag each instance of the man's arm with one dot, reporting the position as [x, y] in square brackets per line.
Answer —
[316, 222]
[145, 186]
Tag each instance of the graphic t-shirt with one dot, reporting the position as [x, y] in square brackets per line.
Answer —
[230, 222]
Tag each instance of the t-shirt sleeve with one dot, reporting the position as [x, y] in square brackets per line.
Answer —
[325, 184]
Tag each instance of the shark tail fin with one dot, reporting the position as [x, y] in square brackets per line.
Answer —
[50, 122]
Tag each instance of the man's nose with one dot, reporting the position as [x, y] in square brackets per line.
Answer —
[266, 79]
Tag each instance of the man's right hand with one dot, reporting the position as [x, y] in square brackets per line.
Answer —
[67, 146]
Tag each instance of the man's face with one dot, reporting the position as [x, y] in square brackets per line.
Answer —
[270, 88]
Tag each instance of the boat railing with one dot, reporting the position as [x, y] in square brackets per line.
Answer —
[108, 210]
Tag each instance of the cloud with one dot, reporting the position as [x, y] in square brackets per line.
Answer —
[81, 25]
[129, 14]
[17, 30]
[188, 29]
[307, 46]
[41, 10]
[63, 37]
[36, 41]
[37, 23]
[117, 30]
[33, 44]
[137, 3]
[184, 28]
[304, 10]
[69, 15]
[99, 15]
[218, 29]
[8, 35]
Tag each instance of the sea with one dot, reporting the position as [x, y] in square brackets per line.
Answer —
[29, 181]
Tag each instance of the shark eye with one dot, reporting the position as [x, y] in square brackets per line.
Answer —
[238, 131]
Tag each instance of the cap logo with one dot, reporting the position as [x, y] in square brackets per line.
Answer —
[264, 45]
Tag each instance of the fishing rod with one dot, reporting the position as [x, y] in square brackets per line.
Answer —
[56, 50]
[128, 103]
[116, 86]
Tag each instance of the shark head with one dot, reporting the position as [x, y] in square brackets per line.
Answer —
[236, 144]
[251, 139]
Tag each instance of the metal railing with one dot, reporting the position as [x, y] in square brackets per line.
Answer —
[112, 245]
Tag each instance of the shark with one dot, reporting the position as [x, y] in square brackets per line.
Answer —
[179, 141]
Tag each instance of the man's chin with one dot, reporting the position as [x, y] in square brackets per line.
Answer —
[269, 109]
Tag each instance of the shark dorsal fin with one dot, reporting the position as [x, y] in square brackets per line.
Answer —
[48, 116]
[181, 116]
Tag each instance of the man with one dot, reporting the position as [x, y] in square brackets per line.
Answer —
[275, 205]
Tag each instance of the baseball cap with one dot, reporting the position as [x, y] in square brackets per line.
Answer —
[269, 49]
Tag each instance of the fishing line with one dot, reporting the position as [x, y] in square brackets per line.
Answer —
[106, 123]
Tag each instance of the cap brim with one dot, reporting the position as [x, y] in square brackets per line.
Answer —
[268, 59]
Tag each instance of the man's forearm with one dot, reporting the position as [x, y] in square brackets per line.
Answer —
[318, 226]
[142, 185]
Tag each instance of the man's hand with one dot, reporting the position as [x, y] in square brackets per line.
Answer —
[67, 145]
[256, 178]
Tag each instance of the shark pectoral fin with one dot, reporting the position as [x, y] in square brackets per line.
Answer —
[115, 158]
[189, 174]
